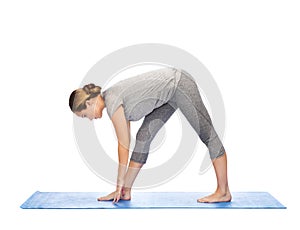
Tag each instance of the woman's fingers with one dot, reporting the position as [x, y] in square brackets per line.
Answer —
[117, 197]
[118, 194]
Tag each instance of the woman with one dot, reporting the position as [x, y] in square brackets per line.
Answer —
[154, 95]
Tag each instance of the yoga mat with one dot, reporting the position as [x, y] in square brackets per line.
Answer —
[143, 200]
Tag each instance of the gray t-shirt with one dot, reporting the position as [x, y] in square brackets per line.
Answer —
[141, 94]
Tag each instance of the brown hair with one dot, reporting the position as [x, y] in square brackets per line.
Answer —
[78, 97]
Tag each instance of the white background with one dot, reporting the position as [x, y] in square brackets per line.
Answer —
[251, 48]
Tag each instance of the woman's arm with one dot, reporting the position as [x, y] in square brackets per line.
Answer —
[122, 129]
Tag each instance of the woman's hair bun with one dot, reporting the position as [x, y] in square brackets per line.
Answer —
[91, 89]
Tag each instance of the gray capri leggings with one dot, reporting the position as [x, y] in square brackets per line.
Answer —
[187, 98]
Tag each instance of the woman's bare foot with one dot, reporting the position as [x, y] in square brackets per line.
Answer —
[126, 195]
[218, 196]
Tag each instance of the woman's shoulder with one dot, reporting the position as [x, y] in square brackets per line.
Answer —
[112, 100]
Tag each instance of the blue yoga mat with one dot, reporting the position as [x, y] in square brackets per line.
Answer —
[143, 200]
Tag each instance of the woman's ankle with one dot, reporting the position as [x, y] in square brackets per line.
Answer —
[223, 189]
[126, 190]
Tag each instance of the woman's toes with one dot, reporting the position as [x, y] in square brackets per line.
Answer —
[201, 200]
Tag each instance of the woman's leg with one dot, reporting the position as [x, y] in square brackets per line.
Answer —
[222, 193]
[152, 123]
[188, 100]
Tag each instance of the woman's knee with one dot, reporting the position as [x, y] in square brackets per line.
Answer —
[139, 157]
[143, 135]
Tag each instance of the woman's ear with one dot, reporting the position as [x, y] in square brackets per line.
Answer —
[88, 103]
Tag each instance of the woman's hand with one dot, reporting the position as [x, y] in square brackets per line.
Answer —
[118, 194]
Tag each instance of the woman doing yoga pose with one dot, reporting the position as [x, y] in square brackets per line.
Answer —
[154, 95]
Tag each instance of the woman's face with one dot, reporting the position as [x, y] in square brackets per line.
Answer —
[93, 109]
